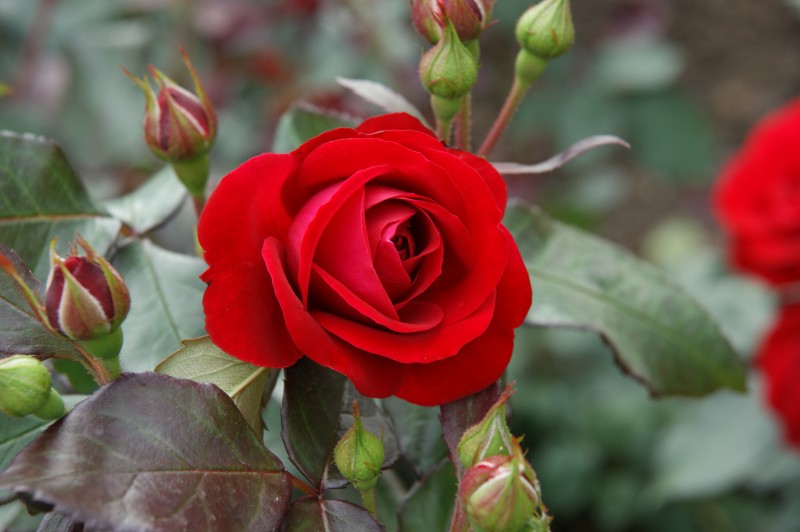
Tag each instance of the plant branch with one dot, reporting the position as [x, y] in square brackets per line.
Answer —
[515, 95]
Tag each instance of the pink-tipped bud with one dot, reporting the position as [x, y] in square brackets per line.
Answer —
[85, 297]
[469, 17]
[178, 125]
[502, 493]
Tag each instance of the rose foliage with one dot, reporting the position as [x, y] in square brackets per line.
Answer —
[377, 252]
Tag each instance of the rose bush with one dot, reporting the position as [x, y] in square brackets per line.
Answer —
[377, 252]
[758, 195]
[779, 361]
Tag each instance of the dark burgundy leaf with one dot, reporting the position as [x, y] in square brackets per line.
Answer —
[311, 514]
[151, 452]
[312, 399]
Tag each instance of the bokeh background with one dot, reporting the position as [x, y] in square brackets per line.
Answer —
[681, 80]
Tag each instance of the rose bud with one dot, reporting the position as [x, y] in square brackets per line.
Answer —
[85, 298]
[179, 126]
[25, 388]
[545, 30]
[501, 493]
[448, 70]
[469, 17]
[359, 455]
[489, 437]
[426, 17]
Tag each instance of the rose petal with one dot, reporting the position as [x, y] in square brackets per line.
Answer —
[419, 316]
[427, 346]
[243, 317]
[244, 209]
[392, 122]
[316, 217]
[373, 376]
[433, 384]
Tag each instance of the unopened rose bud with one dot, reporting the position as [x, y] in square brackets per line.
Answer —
[86, 298]
[489, 437]
[179, 126]
[25, 388]
[427, 19]
[448, 70]
[469, 17]
[545, 30]
[359, 455]
[501, 493]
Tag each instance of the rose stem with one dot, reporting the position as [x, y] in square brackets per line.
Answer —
[515, 95]
[458, 522]
[464, 124]
[368, 498]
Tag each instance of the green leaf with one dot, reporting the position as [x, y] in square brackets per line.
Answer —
[430, 502]
[20, 332]
[202, 361]
[419, 433]
[150, 452]
[316, 411]
[42, 198]
[303, 122]
[166, 303]
[151, 204]
[659, 334]
[311, 514]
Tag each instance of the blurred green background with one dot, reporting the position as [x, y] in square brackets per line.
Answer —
[681, 80]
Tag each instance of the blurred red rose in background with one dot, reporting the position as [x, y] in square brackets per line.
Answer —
[377, 252]
[779, 360]
[758, 199]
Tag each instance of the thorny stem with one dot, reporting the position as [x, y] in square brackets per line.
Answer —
[515, 95]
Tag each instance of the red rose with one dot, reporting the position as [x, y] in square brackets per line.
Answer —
[377, 252]
[779, 360]
[758, 198]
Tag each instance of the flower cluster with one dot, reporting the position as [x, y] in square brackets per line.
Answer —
[758, 202]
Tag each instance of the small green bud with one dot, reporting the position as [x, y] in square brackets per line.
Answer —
[359, 455]
[489, 437]
[545, 30]
[501, 493]
[24, 385]
[448, 70]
